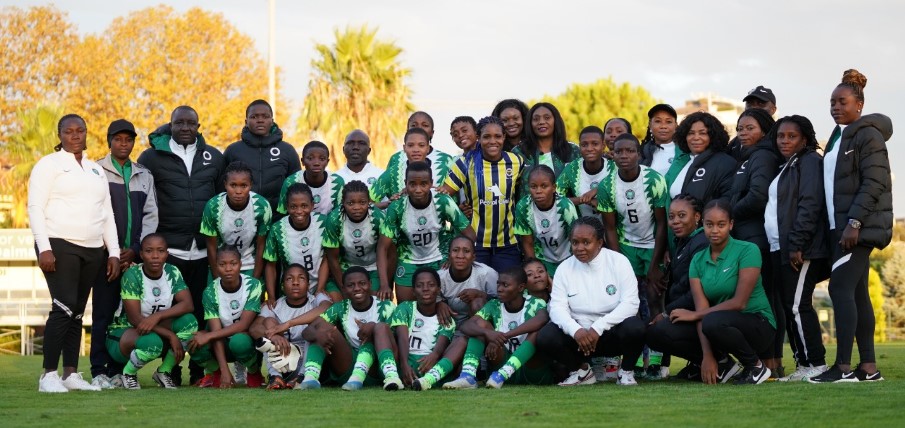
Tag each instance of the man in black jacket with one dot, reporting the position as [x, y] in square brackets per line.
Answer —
[187, 173]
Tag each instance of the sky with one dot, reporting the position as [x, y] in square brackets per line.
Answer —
[468, 54]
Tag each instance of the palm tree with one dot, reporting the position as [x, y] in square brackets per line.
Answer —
[357, 82]
[37, 138]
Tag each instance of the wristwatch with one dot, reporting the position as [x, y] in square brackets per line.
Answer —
[855, 224]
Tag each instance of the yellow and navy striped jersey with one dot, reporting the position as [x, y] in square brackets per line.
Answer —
[491, 192]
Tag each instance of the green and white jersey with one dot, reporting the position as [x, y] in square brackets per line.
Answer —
[228, 307]
[482, 278]
[634, 203]
[504, 321]
[419, 233]
[326, 197]
[392, 181]
[575, 181]
[282, 311]
[287, 245]
[357, 242]
[550, 228]
[344, 316]
[155, 294]
[239, 228]
[423, 330]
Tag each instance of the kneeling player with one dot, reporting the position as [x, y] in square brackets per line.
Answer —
[346, 331]
[505, 331]
[276, 330]
[231, 302]
[155, 316]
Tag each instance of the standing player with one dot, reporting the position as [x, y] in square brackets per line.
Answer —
[231, 303]
[543, 219]
[357, 147]
[284, 325]
[580, 178]
[155, 316]
[296, 238]
[345, 333]
[325, 187]
[237, 217]
[416, 148]
[464, 133]
[415, 224]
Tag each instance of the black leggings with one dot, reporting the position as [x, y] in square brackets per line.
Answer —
[854, 315]
[746, 336]
[773, 290]
[625, 339]
[76, 270]
[802, 324]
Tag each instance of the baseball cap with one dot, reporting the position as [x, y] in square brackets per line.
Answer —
[121, 125]
[761, 93]
[662, 107]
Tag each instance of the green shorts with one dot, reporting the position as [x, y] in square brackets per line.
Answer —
[405, 271]
[375, 282]
[639, 258]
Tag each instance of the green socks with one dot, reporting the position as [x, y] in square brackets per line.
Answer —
[362, 363]
[438, 372]
[388, 364]
[314, 361]
[472, 358]
[521, 355]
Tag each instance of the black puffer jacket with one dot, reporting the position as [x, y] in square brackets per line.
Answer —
[270, 158]
[710, 176]
[757, 167]
[647, 152]
[801, 208]
[862, 188]
[678, 296]
[181, 196]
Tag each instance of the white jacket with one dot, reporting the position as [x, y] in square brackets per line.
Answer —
[597, 295]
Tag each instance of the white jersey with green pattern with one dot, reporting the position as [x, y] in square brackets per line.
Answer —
[155, 294]
[418, 233]
[282, 312]
[392, 181]
[324, 197]
[504, 321]
[228, 307]
[238, 228]
[357, 242]
[634, 204]
[288, 245]
[424, 331]
[576, 181]
[344, 316]
[550, 228]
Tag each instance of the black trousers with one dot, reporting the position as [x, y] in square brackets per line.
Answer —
[194, 273]
[773, 290]
[802, 324]
[70, 285]
[625, 339]
[105, 300]
[852, 310]
[746, 336]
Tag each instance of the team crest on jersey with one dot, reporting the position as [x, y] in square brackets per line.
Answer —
[670, 160]
[239, 222]
[594, 184]
[305, 241]
[356, 233]
[317, 199]
[419, 323]
[371, 181]
[611, 289]
[545, 223]
[400, 271]
[509, 172]
[155, 291]
[629, 194]
[95, 171]
[234, 304]
[512, 325]
[422, 220]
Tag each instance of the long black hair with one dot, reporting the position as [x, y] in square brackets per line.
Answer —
[561, 147]
[804, 126]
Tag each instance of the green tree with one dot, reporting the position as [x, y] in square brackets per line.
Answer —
[893, 275]
[36, 138]
[357, 82]
[585, 104]
[875, 289]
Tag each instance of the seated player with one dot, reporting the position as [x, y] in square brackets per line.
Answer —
[231, 303]
[466, 284]
[350, 239]
[505, 331]
[297, 239]
[418, 224]
[420, 338]
[539, 282]
[284, 324]
[543, 220]
[325, 187]
[155, 316]
[343, 335]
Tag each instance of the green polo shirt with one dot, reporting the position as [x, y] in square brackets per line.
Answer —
[126, 171]
[720, 278]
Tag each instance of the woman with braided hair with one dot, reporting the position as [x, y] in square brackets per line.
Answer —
[514, 114]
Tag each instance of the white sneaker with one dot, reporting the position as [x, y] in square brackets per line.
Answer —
[582, 376]
[51, 382]
[241, 377]
[626, 378]
[75, 382]
[102, 381]
[117, 381]
[803, 373]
